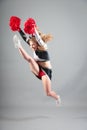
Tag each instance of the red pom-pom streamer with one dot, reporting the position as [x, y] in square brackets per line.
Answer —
[14, 23]
[29, 26]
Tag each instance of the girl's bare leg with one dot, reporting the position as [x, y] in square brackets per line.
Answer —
[33, 65]
[47, 87]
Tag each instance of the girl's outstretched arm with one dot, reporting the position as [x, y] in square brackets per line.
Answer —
[24, 37]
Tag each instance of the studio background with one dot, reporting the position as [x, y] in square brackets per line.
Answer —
[66, 20]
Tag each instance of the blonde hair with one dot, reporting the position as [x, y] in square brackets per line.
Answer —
[45, 37]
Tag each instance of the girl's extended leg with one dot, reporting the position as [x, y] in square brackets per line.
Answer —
[33, 65]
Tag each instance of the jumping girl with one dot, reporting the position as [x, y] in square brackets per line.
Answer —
[40, 64]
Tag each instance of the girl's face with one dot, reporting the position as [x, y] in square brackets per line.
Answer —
[33, 45]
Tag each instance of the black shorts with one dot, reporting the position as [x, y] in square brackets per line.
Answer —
[44, 71]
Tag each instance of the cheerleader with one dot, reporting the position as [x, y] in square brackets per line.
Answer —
[40, 64]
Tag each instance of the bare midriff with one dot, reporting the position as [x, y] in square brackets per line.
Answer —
[45, 64]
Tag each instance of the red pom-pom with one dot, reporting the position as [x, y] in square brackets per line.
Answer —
[14, 23]
[29, 26]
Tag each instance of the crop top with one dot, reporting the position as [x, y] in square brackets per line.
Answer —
[41, 55]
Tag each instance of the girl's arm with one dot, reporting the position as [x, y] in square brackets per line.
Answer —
[24, 37]
[39, 39]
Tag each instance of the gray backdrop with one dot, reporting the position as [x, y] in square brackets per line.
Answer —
[66, 20]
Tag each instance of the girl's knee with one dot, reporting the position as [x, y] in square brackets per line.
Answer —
[29, 59]
[48, 93]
